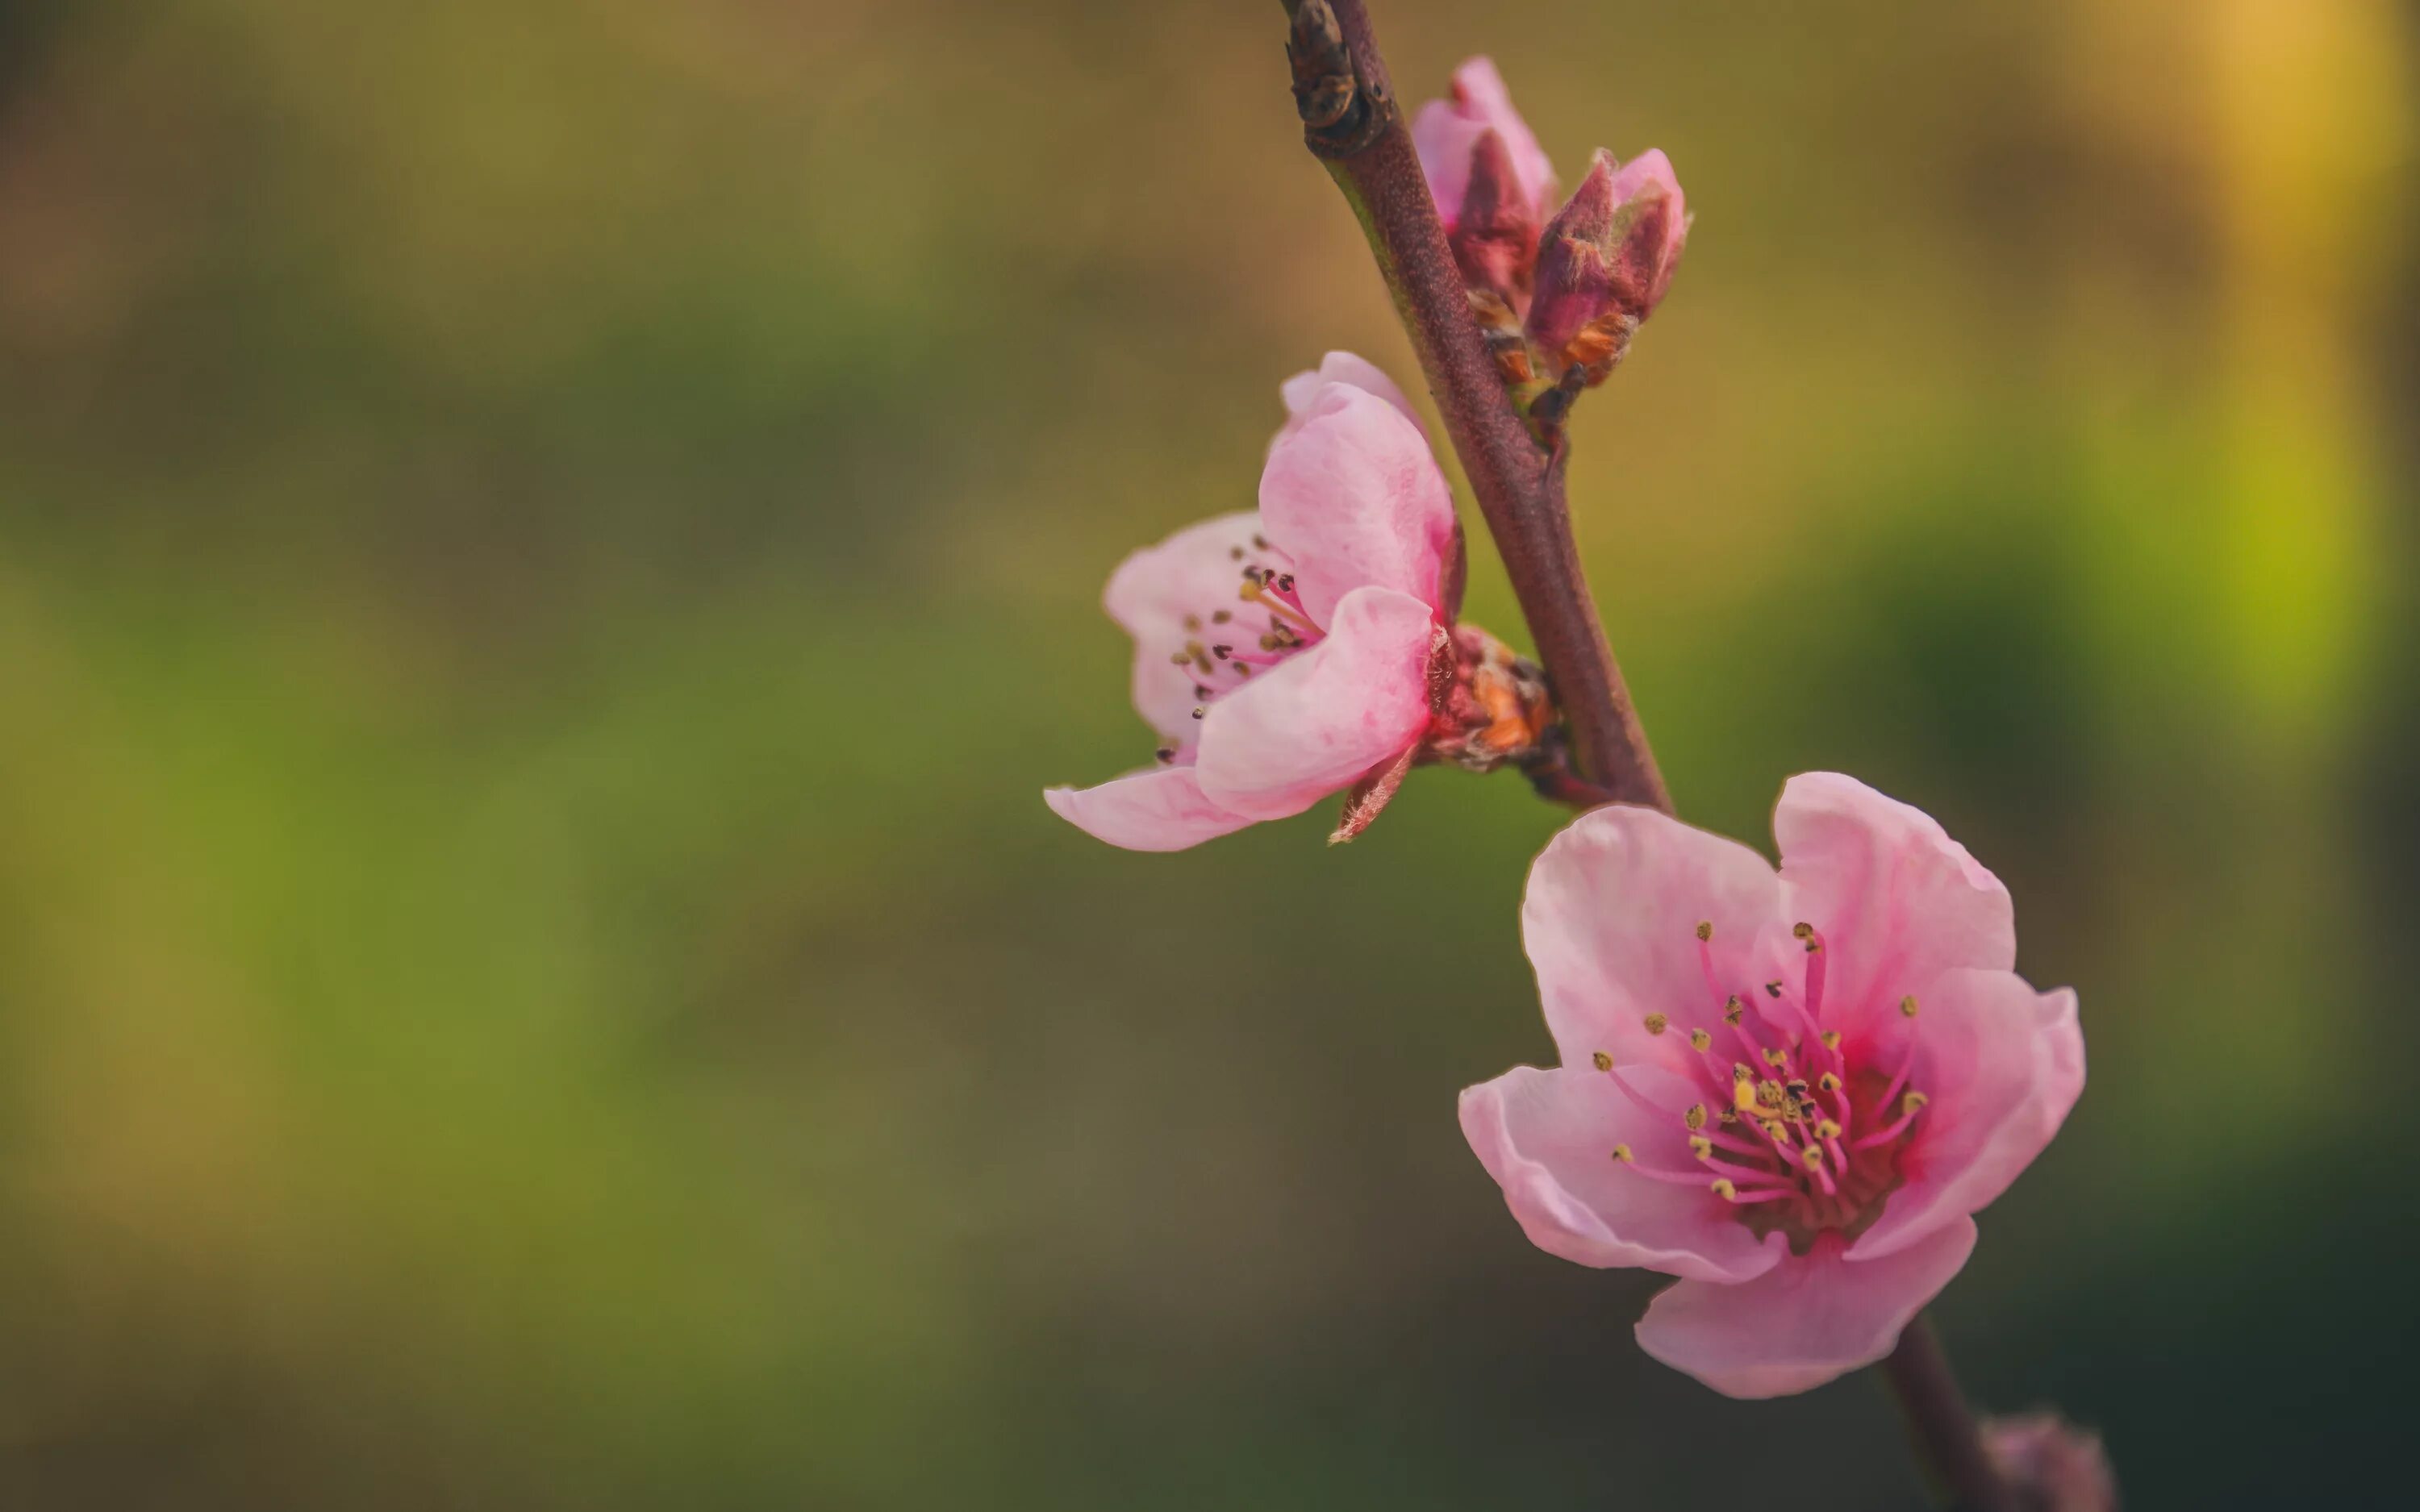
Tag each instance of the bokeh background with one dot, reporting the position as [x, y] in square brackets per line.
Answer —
[549, 546]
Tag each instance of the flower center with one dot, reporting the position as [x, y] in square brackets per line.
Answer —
[1803, 1125]
[1265, 623]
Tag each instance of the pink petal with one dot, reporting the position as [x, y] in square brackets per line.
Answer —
[2002, 1065]
[1809, 1320]
[1346, 368]
[1162, 809]
[1899, 902]
[1356, 498]
[1318, 721]
[1649, 167]
[1445, 134]
[1547, 1137]
[1150, 595]
[1611, 922]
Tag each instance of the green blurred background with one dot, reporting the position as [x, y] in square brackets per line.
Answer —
[549, 546]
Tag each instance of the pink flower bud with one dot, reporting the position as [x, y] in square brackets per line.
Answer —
[1604, 262]
[1494, 237]
[1447, 134]
[2053, 1465]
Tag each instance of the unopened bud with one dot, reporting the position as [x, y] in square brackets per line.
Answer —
[1494, 237]
[2052, 1465]
[1604, 262]
[1448, 135]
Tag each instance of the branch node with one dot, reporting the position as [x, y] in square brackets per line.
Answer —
[1340, 114]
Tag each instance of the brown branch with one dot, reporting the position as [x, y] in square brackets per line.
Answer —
[1351, 122]
[1948, 1443]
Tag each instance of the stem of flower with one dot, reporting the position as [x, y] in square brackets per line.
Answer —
[1352, 123]
[1948, 1444]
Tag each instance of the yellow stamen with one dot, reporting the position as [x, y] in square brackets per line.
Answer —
[1724, 1188]
[1705, 929]
[1621, 1154]
[1700, 1039]
[1907, 1005]
[1252, 594]
[1657, 1022]
[1811, 1158]
[1695, 1117]
[1702, 1146]
[1829, 1081]
[1828, 1130]
[1831, 1039]
[1603, 1061]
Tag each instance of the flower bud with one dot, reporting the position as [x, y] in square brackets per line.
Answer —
[1447, 134]
[2052, 1465]
[1604, 261]
[1495, 237]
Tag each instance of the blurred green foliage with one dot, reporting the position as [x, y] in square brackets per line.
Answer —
[547, 549]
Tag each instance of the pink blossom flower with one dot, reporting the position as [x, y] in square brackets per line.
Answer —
[1286, 653]
[1791, 1091]
[1447, 134]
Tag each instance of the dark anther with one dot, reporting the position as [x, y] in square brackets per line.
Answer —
[1222, 652]
[1221, 617]
[1166, 754]
[1773, 989]
[1285, 582]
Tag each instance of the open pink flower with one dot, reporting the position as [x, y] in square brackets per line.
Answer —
[1792, 1091]
[1447, 134]
[1285, 654]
